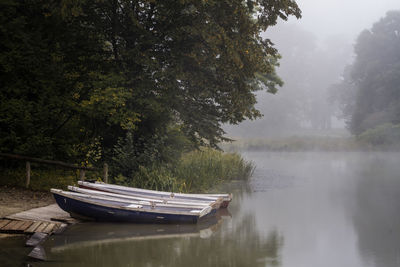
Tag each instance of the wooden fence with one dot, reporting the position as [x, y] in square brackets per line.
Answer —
[82, 169]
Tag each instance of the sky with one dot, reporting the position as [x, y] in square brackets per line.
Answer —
[326, 18]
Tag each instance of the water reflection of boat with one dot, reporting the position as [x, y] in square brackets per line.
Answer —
[98, 234]
[226, 198]
[115, 209]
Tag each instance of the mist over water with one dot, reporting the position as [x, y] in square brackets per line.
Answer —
[332, 209]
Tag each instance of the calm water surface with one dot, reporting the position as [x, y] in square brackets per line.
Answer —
[299, 209]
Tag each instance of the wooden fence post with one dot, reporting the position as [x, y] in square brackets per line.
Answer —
[82, 174]
[28, 174]
[105, 172]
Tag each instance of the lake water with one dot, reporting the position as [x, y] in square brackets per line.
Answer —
[299, 209]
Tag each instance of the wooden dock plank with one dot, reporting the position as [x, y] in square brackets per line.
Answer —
[4, 223]
[18, 225]
[49, 228]
[41, 227]
[13, 227]
[10, 226]
[33, 227]
[25, 225]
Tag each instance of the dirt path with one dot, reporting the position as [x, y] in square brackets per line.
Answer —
[15, 199]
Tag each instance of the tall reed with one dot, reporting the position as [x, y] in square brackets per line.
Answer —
[202, 169]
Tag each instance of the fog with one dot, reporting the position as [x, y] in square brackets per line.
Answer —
[331, 209]
[315, 51]
[325, 18]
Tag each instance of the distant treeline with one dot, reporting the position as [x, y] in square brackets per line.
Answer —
[131, 83]
[369, 94]
[365, 142]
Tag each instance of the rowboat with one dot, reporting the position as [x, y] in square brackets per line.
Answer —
[140, 200]
[214, 202]
[223, 199]
[101, 208]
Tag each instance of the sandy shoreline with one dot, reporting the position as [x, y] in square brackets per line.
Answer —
[16, 199]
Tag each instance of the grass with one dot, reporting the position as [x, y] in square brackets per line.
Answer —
[196, 171]
[43, 178]
[202, 170]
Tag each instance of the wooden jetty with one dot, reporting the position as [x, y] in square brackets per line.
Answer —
[29, 227]
[40, 223]
[48, 213]
[48, 219]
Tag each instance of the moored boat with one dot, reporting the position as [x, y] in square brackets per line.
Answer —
[141, 200]
[223, 199]
[102, 208]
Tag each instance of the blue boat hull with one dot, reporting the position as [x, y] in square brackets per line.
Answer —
[102, 213]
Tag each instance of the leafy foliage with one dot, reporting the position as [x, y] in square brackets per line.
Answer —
[90, 81]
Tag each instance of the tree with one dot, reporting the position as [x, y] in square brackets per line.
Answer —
[44, 68]
[375, 76]
[198, 59]
[83, 76]
[342, 95]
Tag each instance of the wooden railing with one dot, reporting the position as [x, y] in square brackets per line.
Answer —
[82, 169]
